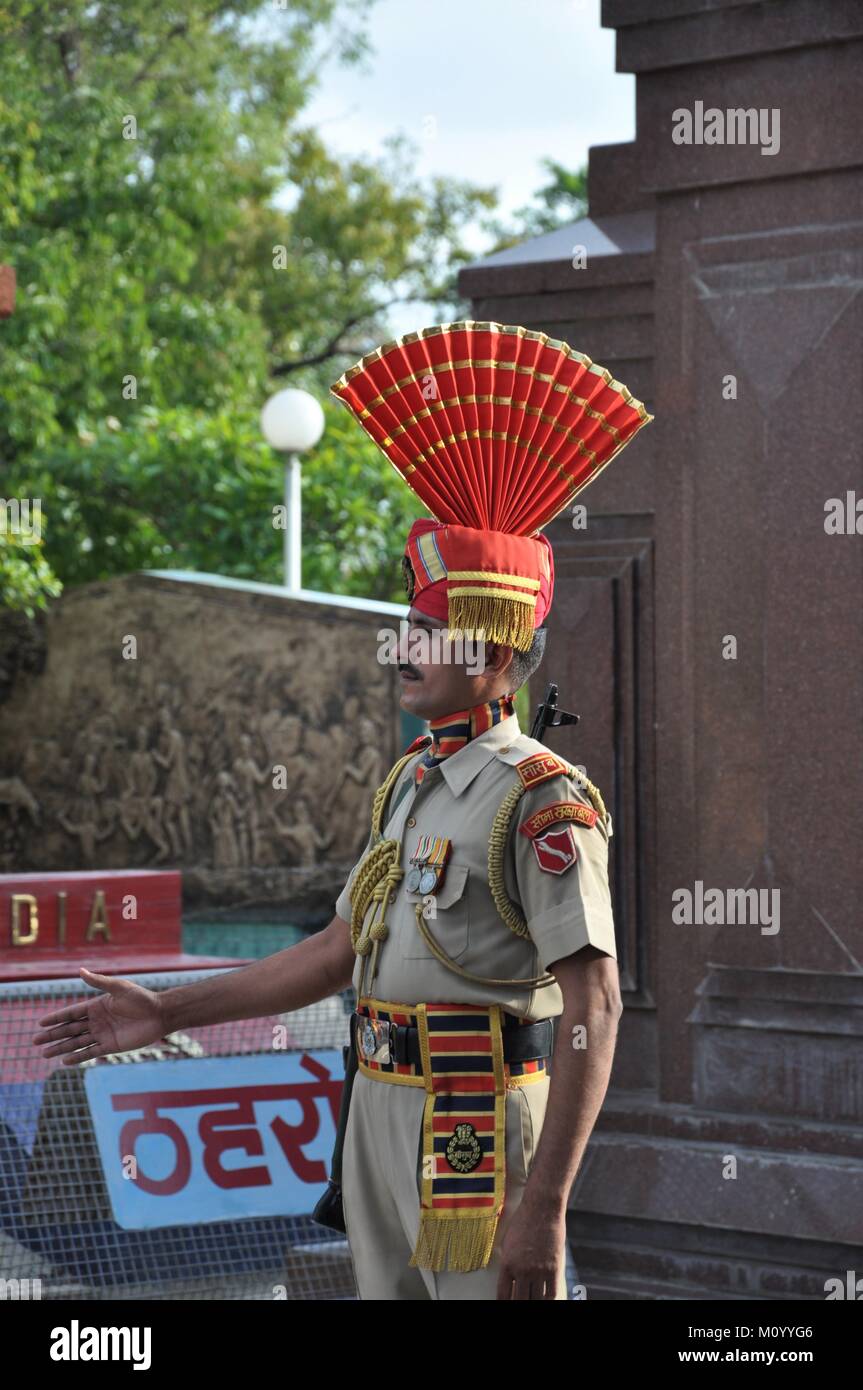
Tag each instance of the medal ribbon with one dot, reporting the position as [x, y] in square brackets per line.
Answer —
[432, 853]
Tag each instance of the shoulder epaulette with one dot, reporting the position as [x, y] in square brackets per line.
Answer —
[539, 767]
[539, 764]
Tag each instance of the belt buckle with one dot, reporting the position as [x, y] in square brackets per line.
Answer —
[375, 1040]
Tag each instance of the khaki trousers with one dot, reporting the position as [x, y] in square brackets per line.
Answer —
[381, 1179]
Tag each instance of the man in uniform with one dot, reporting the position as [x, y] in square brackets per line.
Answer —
[480, 909]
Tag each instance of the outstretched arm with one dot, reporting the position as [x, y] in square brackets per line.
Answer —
[128, 1016]
[313, 969]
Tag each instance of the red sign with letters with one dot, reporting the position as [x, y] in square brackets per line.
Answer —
[114, 921]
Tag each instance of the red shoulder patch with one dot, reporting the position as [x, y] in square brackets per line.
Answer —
[539, 767]
[555, 849]
[571, 812]
[420, 741]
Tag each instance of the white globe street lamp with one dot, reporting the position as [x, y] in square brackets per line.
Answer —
[292, 421]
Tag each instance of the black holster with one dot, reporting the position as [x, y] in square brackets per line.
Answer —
[329, 1210]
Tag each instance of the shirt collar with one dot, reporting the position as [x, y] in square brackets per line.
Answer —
[460, 768]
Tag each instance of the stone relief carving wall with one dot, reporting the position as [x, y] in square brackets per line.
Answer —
[237, 736]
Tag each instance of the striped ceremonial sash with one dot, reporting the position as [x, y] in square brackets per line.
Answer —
[464, 1129]
[464, 1121]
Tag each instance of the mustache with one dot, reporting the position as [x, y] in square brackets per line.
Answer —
[404, 666]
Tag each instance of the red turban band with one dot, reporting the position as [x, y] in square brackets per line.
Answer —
[461, 576]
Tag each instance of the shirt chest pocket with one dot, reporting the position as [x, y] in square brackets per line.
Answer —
[447, 919]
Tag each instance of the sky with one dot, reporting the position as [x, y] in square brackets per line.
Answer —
[486, 89]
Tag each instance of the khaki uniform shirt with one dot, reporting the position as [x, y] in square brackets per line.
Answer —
[564, 911]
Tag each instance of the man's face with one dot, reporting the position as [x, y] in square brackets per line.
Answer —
[432, 686]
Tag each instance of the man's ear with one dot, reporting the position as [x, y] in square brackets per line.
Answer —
[498, 657]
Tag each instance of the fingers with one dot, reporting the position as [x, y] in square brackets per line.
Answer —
[63, 1015]
[68, 1020]
[98, 981]
[62, 1030]
[95, 1049]
[75, 1044]
[111, 984]
[525, 1287]
[72, 1037]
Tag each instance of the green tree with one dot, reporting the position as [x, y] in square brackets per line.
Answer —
[178, 489]
[26, 579]
[145, 150]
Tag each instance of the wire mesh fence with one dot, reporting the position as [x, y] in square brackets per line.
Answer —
[58, 1236]
[57, 1230]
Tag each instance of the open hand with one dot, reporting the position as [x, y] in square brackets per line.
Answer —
[126, 1016]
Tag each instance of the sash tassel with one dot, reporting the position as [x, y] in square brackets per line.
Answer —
[462, 1244]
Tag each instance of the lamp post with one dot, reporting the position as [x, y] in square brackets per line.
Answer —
[292, 421]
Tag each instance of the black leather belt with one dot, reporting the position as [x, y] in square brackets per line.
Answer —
[398, 1042]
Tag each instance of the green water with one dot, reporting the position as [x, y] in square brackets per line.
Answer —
[251, 940]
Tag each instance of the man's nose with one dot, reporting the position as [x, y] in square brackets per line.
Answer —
[403, 643]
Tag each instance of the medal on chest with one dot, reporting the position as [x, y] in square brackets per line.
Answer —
[429, 862]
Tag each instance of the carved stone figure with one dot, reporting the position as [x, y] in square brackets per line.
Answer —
[176, 792]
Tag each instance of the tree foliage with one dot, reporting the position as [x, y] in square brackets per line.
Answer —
[190, 490]
[184, 244]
